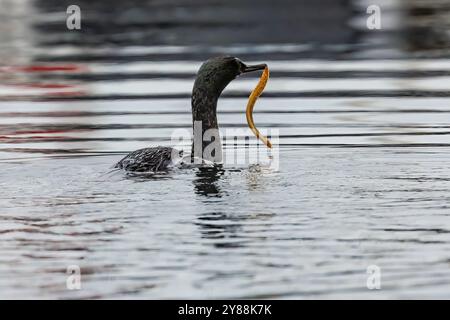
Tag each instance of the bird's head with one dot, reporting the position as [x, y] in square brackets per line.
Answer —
[216, 73]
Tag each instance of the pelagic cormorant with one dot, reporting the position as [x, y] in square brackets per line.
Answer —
[212, 78]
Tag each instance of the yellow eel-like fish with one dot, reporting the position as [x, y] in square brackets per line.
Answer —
[251, 103]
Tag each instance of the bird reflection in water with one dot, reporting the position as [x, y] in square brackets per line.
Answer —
[215, 225]
[206, 181]
[225, 227]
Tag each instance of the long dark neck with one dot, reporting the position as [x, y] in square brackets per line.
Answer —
[206, 138]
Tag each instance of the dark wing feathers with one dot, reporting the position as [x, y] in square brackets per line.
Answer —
[148, 159]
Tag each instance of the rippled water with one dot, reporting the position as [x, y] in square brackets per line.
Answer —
[363, 175]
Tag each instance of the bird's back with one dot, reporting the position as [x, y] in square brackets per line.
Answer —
[148, 159]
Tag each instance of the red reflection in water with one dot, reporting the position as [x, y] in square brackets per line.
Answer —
[50, 88]
[51, 68]
[63, 89]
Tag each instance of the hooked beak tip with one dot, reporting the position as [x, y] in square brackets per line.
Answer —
[255, 67]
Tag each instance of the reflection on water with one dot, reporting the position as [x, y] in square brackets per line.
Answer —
[363, 177]
[206, 181]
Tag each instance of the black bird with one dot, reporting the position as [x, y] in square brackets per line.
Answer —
[212, 78]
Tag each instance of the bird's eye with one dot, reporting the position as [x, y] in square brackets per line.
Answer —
[240, 65]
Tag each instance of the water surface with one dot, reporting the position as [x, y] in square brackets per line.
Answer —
[363, 175]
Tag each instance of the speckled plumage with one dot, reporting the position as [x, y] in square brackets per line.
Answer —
[149, 159]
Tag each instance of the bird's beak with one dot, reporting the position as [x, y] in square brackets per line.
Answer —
[255, 67]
